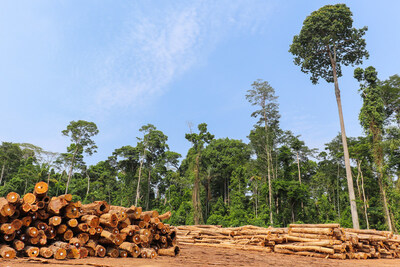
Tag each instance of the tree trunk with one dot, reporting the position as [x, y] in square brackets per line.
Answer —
[363, 192]
[197, 216]
[88, 184]
[148, 190]
[2, 172]
[268, 166]
[353, 205]
[140, 174]
[385, 205]
[298, 169]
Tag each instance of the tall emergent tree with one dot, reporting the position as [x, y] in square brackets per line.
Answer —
[372, 116]
[263, 96]
[327, 40]
[198, 141]
[80, 133]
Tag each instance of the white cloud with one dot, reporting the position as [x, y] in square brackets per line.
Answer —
[157, 46]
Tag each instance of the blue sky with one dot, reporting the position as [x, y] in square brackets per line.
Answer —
[123, 64]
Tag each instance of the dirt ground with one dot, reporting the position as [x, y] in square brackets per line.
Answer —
[203, 256]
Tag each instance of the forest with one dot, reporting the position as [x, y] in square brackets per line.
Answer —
[274, 178]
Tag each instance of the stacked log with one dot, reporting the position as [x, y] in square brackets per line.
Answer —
[37, 225]
[314, 240]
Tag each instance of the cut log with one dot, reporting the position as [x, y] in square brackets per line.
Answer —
[171, 251]
[100, 251]
[96, 208]
[55, 221]
[13, 197]
[29, 198]
[148, 253]
[45, 252]
[306, 248]
[165, 216]
[72, 223]
[112, 252]
[31, 252]
[328, 225]
[18, 245]
[6, 252]
[92, 220]
[109, 220]
[319, 231]
[40, 189]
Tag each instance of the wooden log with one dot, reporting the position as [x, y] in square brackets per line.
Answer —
[84, 227]
[112, 252]
[7, 228]
[40, 189]
[34, 207]
[91, 220]
[57, 203]
[83, 237]
[58, 253]
[119, 238]
[148, 253]
[83, 253]
[130, 231]
[100, 251]
[123, 253]
[369, 232]
[107, 235]
[40, 225]
[61, 229]
[31, 252]
[45, 252]
[18, 244]
[51, 232]
[72, 211]
[320, 231]
[13, 198]
[96, 208]
[26, 207]
[109, 220]
[75, 242]
[68, 235]
[136, 239]
[55, 220]
[73, 253]
[72, 223]
[309, 236]
[7, 252]
[29, 198]
[32, 231]
[6, 209]
[165, 216]
[125, 223]
[171, 251]
[328, 225]
[92, 231]
[306, 248]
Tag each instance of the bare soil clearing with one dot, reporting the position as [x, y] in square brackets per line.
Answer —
[204, 256]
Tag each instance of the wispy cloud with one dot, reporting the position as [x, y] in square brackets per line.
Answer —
[156, 47]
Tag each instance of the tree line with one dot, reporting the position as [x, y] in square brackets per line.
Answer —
[273, 179]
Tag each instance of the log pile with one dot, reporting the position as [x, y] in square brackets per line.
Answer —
[36, 225]
[314, 240]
